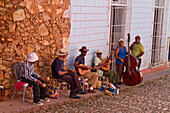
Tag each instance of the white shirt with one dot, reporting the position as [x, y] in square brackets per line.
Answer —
[97, 61]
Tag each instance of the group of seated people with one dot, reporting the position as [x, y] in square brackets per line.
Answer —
[70, 76]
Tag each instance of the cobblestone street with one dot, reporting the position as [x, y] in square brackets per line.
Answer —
[151, 97]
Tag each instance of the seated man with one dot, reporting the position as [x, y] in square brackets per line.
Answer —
[29, 75]
[69, 76]
[91, 76]
[113, 77]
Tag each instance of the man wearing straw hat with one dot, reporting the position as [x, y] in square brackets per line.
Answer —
[69, 76]
[91, 76]
[29, 75]
[113, 77]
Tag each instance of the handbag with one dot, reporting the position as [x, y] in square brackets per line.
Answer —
[52, 92]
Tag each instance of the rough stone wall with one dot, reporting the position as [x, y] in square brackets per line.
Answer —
[41, 26]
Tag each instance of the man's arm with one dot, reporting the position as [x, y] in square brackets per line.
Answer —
[131, 47]
[78, 66]
[62, 72]
[142, 51]
[140, 54]
[96, 61]
[26, 72]
[38, 76]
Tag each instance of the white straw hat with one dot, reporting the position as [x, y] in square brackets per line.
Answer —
[121, 40]
[62, 51]
[99, 51]
[32, 57]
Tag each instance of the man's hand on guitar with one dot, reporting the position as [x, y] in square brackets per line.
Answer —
[71, 70]
[95, 67]
[85, 67]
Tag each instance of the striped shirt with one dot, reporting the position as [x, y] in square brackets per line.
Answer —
[28, 70]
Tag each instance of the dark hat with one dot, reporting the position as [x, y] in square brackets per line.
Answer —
[83, 48]
[137, 37]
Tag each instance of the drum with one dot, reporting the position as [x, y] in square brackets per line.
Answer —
[2, 93]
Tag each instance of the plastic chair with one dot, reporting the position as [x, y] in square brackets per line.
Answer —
[17, 72]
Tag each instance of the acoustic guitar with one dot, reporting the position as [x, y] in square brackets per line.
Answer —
[83, 71]
[105, 64]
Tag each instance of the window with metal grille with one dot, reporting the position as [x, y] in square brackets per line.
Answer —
[157, 37]
[117, 24]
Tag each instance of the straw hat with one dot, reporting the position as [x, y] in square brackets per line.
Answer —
[32, 57]
[62, 51]
[121, 40]
[83, 48]
[99, 51]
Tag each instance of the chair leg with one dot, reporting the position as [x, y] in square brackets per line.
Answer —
[83, 84]
[66, 90]
[23, 99]
[14, 93]
[59, 89]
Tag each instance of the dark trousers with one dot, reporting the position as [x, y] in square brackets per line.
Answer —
[139, 63]
[73, 80]
[120, 68]
[38, 91]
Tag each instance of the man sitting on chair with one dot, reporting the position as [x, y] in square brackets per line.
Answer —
[113, 77]
[69, 76]
[91, 76]
[29, 76]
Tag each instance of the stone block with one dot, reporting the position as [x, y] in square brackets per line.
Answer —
[42, 30]
[2, 2]
[19, 15]
[46, 17]
[1, 77]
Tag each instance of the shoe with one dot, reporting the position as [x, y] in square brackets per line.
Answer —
[92, 91]
[75, 96]
[120, 83]
[38, 103]
[45, 100]
[81, 92]
[116, 86]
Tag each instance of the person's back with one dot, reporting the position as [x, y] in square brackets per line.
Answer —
[56, 65]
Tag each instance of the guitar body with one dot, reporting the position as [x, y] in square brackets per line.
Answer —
[105, 67]
[82, 71]
[134, 77]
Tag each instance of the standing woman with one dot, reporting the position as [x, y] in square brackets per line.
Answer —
[120, 54]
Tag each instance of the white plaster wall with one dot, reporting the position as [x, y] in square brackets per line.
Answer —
[141, 24]
[89, 27]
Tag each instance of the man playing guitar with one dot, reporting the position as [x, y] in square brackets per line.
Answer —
[91, 76]
[113, 76]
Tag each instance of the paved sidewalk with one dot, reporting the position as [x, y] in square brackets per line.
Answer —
[16, 104]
